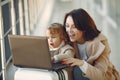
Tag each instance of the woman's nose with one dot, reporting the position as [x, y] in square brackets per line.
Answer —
[69, 30]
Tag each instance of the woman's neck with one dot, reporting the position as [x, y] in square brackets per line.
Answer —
[81, 41]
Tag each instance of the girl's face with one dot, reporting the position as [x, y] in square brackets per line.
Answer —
[73, 33]
[54, 40]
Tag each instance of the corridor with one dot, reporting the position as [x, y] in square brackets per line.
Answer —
[32, 19]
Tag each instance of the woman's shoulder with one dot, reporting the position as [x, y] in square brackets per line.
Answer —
[101, 37]
[97, 43]
[96, 46]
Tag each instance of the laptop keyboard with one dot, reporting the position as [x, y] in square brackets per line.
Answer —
[59, 65]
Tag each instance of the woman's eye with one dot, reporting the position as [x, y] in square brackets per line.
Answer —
[74, 28]
[66, 26]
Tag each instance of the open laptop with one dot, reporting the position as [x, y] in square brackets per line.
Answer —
[32, 52]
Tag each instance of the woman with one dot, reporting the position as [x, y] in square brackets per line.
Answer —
[92, 49]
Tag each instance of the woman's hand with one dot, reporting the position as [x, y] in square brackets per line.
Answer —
[73, 62]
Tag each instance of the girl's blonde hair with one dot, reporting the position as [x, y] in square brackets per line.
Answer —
[57, 28]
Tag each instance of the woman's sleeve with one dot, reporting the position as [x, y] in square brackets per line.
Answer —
[97, 70]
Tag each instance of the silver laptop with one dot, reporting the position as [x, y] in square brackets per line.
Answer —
[32, 52]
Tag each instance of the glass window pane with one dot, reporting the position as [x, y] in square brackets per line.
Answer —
[17, 16]
[6, 25]
[98, 2]
[6, 17]
[112, 9]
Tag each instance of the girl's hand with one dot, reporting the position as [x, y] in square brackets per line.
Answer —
[73, 62]
[52, 59]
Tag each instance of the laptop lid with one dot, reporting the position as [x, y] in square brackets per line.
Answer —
[30, 51]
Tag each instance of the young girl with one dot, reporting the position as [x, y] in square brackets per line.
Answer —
[56, 39]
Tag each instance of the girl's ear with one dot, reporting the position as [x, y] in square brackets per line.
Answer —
[62, 37]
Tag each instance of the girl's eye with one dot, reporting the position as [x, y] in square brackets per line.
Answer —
[53, 37]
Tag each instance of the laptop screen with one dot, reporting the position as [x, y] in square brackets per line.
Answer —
[30, 51]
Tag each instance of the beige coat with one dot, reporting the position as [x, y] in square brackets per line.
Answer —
[63, 52]
[99, 65]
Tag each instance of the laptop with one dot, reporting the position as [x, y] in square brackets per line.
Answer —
[32, 52]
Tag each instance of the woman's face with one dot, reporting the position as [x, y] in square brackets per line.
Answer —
[73, 33]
